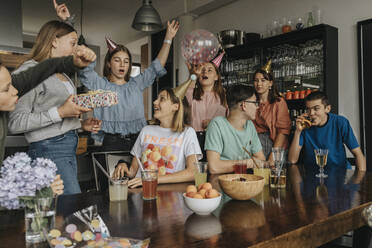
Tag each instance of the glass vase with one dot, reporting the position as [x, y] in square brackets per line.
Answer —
[39, 218]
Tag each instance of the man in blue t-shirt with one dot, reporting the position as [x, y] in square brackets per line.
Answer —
[226, 136]
[327, 131]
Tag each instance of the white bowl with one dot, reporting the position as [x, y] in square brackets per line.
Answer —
[202, 206]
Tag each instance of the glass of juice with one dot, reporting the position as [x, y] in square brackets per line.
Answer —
[149, 184]
[263, 172]
[201, 173]
[240, 166]
[321, 160]
[278, 181]
[118, 190]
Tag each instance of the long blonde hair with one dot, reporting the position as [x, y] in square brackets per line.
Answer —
[44, 40]
[181, 118]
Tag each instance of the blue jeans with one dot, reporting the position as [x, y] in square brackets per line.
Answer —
[61, 150]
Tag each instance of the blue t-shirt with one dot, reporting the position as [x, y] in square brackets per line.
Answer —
[332, 136]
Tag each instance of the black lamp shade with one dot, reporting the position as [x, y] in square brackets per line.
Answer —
[147, 18]
[82, 41]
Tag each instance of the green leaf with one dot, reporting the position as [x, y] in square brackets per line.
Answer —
[44, 192]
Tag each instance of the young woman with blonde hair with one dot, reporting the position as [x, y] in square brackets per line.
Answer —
[169, 145]
[47, 114]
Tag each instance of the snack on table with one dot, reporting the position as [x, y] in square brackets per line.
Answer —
[85, 228]
[97, 99]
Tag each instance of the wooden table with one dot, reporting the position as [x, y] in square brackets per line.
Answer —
[307, 213]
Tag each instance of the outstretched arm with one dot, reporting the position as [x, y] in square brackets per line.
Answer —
[62, 11]
[171, 32]
[216, 165]
[185, 175]
[26, 80]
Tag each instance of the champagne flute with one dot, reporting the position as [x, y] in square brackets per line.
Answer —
[321, 160]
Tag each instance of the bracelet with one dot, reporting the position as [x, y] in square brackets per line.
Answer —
[168, 42]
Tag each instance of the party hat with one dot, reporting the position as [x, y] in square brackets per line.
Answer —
[180, 90]
[267, 67]
[111, 45]
[218, 59]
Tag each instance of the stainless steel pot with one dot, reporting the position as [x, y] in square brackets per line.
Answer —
[230, 38]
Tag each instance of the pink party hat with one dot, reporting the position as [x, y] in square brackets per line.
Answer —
[218, 59]
[111, 45]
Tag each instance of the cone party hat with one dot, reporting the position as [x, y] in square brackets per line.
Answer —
[267, 67]
[180, 90]
[111, 45]
[218, 59]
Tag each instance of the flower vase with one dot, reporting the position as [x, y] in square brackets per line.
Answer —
[39, 218]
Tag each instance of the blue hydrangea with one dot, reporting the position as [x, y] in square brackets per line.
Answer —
[20, 176]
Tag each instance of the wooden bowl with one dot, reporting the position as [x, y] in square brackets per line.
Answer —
[241, 190]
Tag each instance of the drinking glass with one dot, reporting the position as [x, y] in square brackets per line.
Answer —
[278, 155]
[149, 184]
[201, 173]
[278, 174]
[240, 166]
[118, 190]
[321, 160]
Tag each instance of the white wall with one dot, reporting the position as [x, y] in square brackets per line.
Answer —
[253, 16]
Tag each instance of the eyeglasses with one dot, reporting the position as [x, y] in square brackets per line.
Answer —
[255, 102]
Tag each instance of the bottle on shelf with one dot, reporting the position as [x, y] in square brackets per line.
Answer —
[310, 20]
[296, 93]
[302, 94]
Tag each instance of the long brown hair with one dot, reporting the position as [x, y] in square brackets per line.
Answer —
[273, 92]
[44, 40]
[181, 118]
[218, 89]
[108, 57]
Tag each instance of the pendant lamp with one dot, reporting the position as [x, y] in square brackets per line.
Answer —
[81, 40]
[147, 19]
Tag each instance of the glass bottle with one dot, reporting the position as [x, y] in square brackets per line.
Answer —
[310, 20]
[299, 24]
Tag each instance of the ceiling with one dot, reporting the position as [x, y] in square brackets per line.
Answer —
[111, 17]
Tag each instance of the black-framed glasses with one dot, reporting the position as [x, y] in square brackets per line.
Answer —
[257, 103]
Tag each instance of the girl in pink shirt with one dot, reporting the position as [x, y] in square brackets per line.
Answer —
[207, 100]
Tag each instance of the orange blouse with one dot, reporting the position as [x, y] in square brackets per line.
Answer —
[273, 118]
[207, 108]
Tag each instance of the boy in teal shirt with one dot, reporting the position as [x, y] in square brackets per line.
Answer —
[226, 136]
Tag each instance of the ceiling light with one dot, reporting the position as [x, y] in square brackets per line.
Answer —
[147, 18]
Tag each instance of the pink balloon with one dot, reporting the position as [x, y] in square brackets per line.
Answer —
[199, 46]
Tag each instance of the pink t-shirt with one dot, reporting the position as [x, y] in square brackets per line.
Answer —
[206, 109]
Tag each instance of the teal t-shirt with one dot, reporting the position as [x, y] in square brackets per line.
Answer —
[223, 138]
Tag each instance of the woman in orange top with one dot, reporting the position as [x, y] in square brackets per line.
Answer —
[272, 122]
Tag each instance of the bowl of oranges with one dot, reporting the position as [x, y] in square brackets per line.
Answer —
[202, 200]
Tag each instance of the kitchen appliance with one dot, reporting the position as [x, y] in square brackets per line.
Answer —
[231, 38]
